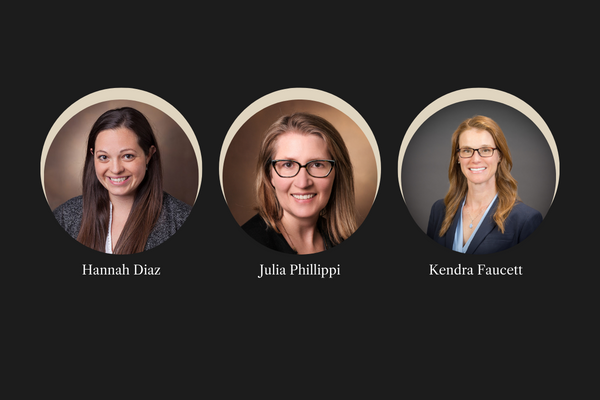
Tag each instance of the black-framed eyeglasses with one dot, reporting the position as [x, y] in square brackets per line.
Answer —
[483, 152]
[291, 168]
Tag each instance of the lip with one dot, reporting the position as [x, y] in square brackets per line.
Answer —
[303, 196]
[120, 180]
[477, 170]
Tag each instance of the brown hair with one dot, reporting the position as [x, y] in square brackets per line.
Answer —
[147, 204]
[338, 218]
[506, 185]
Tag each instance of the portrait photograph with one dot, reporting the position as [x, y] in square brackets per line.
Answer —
[477, 174]
[121, 170]
[300, 175]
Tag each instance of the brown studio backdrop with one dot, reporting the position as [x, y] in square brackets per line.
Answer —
[240, 160]
[66, 155]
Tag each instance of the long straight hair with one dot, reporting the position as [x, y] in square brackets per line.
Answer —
[506, 185]
[147, 203]
[338, 218]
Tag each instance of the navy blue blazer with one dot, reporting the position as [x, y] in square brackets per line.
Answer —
[519, 224]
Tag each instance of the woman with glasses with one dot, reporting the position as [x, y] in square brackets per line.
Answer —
[481, 212]
[305, 187]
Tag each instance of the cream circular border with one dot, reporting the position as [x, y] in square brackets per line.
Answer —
[479, 94]
[300, 94]
[121, 94]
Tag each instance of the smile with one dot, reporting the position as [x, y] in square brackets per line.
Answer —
[303, 196]
[477, 169]
[118, 180]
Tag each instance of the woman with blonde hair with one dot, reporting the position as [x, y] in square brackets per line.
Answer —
[304, 187]
[481, 212]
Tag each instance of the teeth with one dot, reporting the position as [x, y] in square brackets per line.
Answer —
[477, 169]
[304, 196]
[117, 180]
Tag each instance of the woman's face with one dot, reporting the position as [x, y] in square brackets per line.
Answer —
[479, 170]
[120, 162]
[302, 197]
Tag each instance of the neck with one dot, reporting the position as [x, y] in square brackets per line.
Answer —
[480, 196]
[302, 233]
[121, 204]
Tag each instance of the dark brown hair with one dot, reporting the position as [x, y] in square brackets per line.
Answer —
[147, 204]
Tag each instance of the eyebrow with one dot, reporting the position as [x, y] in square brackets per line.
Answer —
[120, 151]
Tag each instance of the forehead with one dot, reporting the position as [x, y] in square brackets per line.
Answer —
[475, 138]
[300, 145]
[116, 139]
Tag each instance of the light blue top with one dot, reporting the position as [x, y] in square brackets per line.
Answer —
[458, 235]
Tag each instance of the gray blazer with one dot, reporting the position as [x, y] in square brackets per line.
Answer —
[173, 215]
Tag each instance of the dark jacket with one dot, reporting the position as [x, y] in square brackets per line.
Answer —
[258, 229]
[173, 215]
[519, 224]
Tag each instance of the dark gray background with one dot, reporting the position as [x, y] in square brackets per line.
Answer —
[424, 173]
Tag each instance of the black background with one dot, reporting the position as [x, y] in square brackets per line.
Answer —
[385, 325]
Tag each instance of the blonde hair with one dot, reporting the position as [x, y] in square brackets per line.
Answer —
[338, 218]
[506, 185]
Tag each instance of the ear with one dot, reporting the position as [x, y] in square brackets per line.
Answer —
[92, 151]
[151, 152]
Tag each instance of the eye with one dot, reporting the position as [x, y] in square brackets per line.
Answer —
[128, 157]
[486, 151]
[102, 157]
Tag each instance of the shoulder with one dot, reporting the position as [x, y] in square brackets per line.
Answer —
[255, 226]
[69, 214]
[523, 210]
[524, 219]
[438, 207]
[175, 208]
[172, 216]
[436, 217]
[257, 229]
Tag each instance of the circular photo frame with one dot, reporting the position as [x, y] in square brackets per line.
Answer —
[425, 152]
[242, 143]
[64, 151]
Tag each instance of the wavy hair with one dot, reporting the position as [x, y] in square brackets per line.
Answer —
[338, 218]
[506, 185]
[147, 203]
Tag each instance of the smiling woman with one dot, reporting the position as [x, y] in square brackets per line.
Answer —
[123, 208]
[481, 213]
[305, 187]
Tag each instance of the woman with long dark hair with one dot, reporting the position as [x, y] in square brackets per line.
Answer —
[123, 208]
[481, 212]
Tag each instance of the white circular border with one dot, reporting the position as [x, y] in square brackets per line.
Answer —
[479, 94]
[121, 94]
[300, 94]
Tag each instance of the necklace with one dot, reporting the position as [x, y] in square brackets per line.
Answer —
[473, 218]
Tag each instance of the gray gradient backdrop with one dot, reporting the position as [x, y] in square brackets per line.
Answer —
[426, 161]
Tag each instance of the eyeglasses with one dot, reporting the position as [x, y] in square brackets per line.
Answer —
[315, 168]
[483, 152]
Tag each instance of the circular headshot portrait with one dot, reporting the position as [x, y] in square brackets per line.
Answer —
[478, 170]
[300, 170]
[121, 170]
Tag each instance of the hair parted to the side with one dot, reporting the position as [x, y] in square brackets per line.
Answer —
[506, 185]
[147, 204]
[338, 218]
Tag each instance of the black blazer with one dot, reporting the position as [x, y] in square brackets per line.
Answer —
[519, 224]
[258, 229]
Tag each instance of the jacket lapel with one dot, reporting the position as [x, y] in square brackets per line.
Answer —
[486, 227]
[451, 232]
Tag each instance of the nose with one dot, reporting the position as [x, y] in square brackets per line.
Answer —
[116, 166]
[303, 179]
